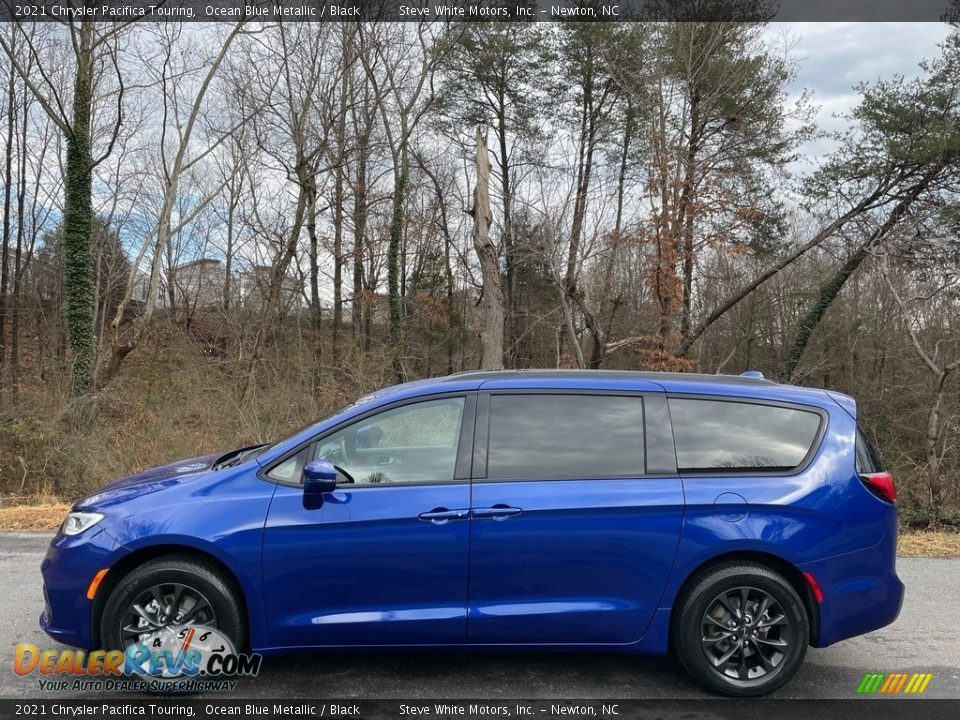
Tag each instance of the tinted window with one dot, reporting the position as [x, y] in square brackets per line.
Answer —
[713, 435]
[544, 436]
[868, 460]
[409, 444]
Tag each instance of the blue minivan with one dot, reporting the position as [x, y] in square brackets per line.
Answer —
[730, 519]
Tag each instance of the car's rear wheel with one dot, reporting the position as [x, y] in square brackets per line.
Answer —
[171, 592]
[741, 630]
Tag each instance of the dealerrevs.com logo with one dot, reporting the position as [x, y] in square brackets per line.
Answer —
[894, 683]
[190, 658]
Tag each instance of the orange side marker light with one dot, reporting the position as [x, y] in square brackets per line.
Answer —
[95, 583]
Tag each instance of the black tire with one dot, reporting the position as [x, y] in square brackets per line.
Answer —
[763, 652]
[204, 579]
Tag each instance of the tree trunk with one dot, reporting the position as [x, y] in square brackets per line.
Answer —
[666, 285]
[584, 171]
[393, 263]
[77, 220]
[509, 248]
[491, 335]
[569, 331]
[18, 260]
[448, 303]
[228, 262]
[359, 233]
[171, 283]
[599, 351]
[337, 259]
[687, 212]
[316, 320]
[276, 283]
[448, 269]
[5, 249]
[935, 482]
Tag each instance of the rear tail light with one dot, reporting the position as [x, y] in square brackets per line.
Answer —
[881, 485]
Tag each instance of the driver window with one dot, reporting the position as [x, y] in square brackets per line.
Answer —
[411, 444]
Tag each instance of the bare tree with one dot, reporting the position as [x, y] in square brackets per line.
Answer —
[95, 49]
[172, 169]
[299, 123]
[940, 371]
[497, 74]
[596, 96]
[401, 74]
[491, 333]
[7, 190]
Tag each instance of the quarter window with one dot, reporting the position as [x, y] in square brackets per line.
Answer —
[868, 460]
[724, 436]
[410, 444]
[565, 436]
[289, 470]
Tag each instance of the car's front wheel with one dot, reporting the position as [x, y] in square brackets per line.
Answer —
[741, 630]
[169, 592]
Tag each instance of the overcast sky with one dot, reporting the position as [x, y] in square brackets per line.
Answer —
[834, 57]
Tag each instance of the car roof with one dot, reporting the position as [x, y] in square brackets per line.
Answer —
[747, 386]
[615, 375]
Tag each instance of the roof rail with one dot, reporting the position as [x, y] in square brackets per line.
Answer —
[752, 374]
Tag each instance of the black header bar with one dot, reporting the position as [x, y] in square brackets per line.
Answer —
[477, 10]
[499, 709]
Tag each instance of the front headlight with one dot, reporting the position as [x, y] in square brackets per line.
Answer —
[76, 522]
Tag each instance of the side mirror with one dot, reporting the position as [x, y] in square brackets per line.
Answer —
[319, 477]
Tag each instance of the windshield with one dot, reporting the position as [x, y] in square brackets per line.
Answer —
[258, 451]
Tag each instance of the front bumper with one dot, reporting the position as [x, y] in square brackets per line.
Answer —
[68, 568]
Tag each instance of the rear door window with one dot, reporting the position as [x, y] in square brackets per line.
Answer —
[565, 436]
[727, 436]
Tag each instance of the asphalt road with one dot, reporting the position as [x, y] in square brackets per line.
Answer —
[926, 638]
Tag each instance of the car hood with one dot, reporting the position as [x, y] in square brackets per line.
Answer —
[148, 481]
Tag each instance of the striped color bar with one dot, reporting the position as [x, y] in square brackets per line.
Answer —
[894, 683]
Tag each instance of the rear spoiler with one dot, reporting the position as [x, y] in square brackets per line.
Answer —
[844, 401]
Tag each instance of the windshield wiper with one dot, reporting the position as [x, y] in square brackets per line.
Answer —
[235, 457]
[236, 460]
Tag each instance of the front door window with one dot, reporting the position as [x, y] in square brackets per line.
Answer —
[415, 443]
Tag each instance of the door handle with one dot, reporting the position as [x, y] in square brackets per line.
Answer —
[441, 516]
[497, 512]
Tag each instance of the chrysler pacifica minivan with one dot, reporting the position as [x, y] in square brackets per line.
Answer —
[729, 519]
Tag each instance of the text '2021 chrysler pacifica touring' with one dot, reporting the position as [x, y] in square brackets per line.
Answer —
[730, 518]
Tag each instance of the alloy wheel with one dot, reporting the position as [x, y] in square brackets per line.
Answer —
[745, 634]
[163, 607]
